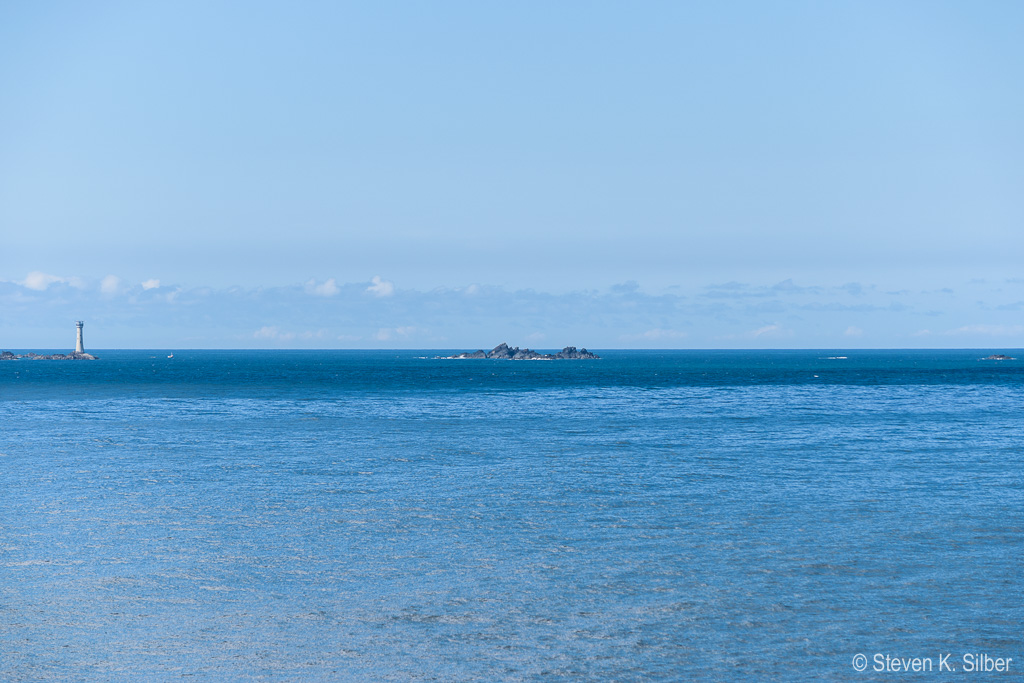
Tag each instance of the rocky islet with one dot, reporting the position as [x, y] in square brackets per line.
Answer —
[504, 352]
[7, 355]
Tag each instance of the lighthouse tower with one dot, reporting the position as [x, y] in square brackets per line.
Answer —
[79, 347]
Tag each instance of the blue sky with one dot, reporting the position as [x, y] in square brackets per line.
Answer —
[449, 175]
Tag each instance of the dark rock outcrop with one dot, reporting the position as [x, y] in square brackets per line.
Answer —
[999, 356]
[503, 352]
[572, 353]
[7, 355]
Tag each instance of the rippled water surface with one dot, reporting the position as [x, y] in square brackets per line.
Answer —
[392, 516]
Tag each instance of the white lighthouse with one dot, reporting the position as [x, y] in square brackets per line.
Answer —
[79, 346]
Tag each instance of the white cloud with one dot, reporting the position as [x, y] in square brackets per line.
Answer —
[854, 288]
[40, 281]
[988, 330]
[359, 316]
[387, 333]
[628, 287]
[381, 287]
[151, 284]
[110, 284]
[770, 330]
[272, 332]
[659, 333]
[789, 286]
[328, 288]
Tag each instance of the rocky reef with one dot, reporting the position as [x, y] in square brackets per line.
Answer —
[503, 352]
[7, 355]
[999, 356]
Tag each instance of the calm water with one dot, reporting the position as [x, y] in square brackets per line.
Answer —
[388, 516]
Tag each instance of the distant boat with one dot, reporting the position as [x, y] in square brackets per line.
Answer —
[171, 356]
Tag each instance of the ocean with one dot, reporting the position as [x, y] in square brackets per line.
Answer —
[392, 516]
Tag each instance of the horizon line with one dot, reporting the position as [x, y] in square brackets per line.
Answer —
[319, 350]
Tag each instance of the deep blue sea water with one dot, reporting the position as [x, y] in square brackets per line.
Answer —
[678, 515]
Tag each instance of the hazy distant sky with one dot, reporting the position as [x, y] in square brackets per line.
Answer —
[456, 174]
